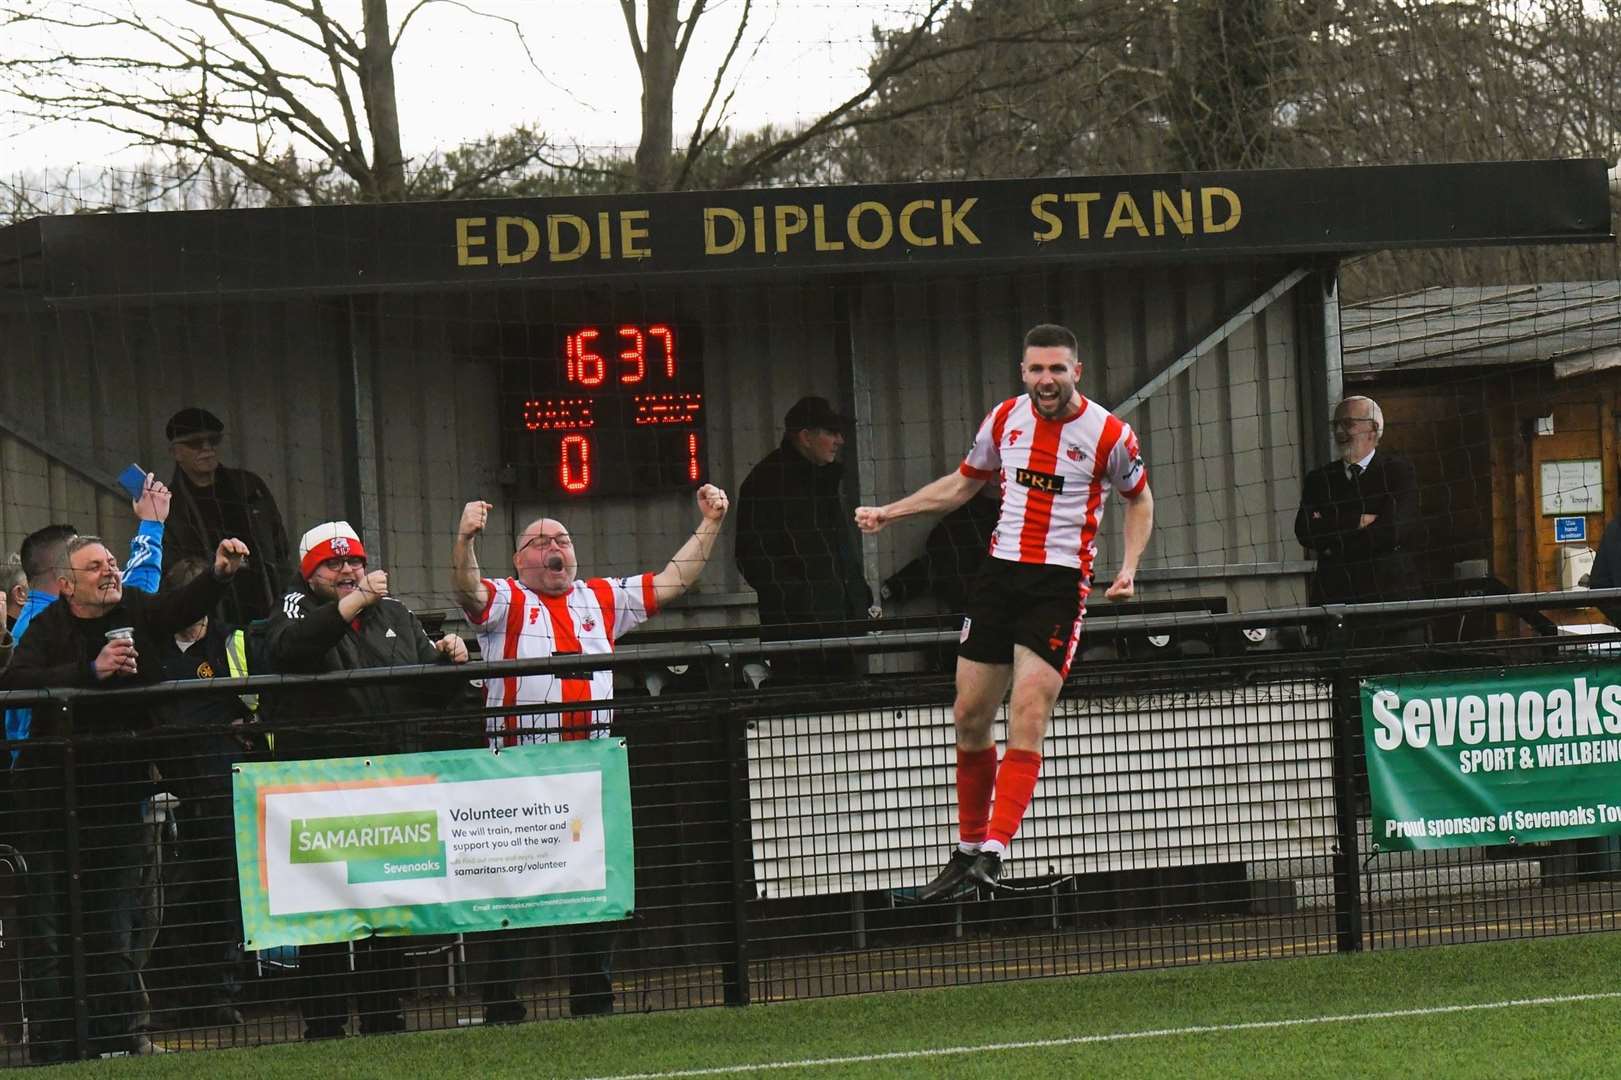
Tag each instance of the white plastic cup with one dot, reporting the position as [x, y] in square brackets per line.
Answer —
[121, 633]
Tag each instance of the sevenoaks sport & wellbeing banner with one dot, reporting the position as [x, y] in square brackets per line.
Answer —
[433, 843]
[1497, 756]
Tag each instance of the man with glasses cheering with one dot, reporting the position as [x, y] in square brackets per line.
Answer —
[542, 611]
[212, 502]
[1360, 515]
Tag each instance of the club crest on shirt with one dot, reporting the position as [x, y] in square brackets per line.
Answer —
[1074, 453]
[534, 614]
[1013, 436]
[588, 624]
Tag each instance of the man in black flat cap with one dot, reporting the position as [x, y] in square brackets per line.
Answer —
[211, 503]
[796, 544]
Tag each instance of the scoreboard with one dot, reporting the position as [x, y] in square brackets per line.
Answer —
[608, 408]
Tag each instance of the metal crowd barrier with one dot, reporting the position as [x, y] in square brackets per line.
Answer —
[1194, 808]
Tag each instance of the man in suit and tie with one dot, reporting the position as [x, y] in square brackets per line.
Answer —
[1360, 515]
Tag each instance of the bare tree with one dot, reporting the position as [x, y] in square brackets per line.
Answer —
[660, 36]
[287, 94]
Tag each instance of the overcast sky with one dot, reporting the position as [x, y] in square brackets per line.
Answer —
[460, 76]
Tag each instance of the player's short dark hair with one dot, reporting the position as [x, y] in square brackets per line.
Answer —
[44, 551]
[1051, 335]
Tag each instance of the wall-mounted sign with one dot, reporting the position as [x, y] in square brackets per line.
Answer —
[1569, 530]
[1573, 487]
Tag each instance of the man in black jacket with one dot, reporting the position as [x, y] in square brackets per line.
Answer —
[211, 502]
[796, 545]
[1360, 515]
[201, 937]
[94, 635]
[344, 620]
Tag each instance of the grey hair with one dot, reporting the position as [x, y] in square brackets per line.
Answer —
[79, 543]
[1376, 414]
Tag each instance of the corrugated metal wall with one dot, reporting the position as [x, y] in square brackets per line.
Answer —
[918, 361]
[1222, 440]
[96, 387]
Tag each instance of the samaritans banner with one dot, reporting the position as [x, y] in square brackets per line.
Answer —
[1494, 757]
[433, 843]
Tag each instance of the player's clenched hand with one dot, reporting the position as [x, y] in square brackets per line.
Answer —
[870, 519]
[474, 517]
[712, 502]
[1124, 587]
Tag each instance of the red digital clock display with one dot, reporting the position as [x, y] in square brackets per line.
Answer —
[606, 409]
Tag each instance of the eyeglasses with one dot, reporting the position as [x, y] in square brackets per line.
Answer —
[200, 442]
[338, 562]
[96, 567]
[561, 542]
[1349, 422]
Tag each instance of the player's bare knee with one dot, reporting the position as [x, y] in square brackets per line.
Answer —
[974, 718]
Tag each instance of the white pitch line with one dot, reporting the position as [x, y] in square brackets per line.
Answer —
[1118, 1036]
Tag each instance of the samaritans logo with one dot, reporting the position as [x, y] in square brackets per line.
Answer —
[377, 847]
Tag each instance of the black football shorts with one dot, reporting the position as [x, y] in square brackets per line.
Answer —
[1030, 604]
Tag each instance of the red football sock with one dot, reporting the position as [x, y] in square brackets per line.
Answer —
[976, 780]
[1015, 784]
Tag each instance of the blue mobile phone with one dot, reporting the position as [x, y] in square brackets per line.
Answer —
[133, 481]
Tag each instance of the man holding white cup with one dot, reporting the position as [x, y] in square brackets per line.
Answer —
[93, 636]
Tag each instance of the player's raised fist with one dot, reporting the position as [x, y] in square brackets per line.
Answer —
[870, 519]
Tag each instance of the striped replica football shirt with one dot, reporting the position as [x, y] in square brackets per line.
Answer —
[519, 623]
[1055, 476]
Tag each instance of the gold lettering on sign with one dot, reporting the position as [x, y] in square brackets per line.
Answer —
[466, 242]
[631, 232]
[909, 234]
[581, 243]
[819, 216]
[1207, 201]
[1038, 209]
[716, 218]
[955, 221]
[791, 220]
[886, 226]
[504, 255]
[1220, 210]
[1164, 208]
[1125, 213]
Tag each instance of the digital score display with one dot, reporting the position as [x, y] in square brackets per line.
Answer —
[612, 408]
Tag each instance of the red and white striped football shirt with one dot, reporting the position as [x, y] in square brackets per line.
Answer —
[1055, 477]
[519, 623]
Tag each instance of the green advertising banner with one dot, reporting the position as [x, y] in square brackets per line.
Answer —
[1497, 756]
[433, 843]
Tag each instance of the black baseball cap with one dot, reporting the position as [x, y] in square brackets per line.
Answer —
[192, 421]
[815, 412]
